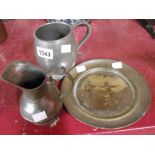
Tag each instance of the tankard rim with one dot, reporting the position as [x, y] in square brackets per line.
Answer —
[48, 41]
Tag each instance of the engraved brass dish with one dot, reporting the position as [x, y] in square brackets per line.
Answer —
[105, 97]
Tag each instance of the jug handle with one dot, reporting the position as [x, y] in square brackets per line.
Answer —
[53, 82]
[66, 93]
[66, 74]
[88, 32]
[69, 76]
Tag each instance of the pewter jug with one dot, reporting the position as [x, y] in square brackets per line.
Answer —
[40, 101]
[55, 46]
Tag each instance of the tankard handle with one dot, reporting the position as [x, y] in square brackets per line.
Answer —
[88, 32]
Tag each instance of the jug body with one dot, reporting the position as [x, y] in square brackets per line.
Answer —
[41, 106]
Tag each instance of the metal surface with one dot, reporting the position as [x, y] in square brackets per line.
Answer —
[3, 33]
[105, 97]
[39, 97]
[68, 21]
[148, 24]
[54, 36]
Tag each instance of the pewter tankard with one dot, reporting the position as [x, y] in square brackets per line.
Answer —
[55, 46]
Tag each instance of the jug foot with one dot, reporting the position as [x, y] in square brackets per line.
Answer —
[55, 122]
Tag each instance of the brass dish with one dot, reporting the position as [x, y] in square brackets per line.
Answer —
[105, 97]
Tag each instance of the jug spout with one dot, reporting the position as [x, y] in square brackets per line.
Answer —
[24, 75]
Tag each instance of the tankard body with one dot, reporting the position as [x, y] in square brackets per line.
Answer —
[55, 46]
